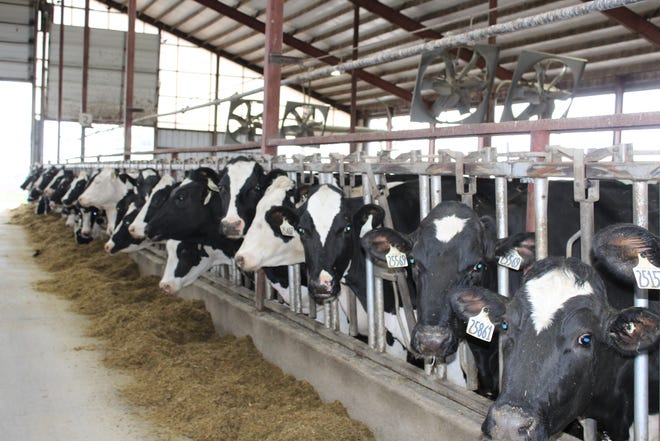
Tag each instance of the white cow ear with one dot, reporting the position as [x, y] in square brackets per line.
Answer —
[633, 330]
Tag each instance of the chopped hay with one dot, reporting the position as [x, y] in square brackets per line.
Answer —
[191, 381]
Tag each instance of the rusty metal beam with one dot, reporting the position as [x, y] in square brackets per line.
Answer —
[304, 47]
[634, 23]
[410, 25]
[272, 74]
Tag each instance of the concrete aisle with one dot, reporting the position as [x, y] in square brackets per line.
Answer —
[52, 386]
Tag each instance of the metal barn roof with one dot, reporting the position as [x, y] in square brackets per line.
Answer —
[622, 45]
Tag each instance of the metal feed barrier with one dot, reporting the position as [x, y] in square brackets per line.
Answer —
[584, 168]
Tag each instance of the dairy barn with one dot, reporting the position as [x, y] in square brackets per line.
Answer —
[331, 220]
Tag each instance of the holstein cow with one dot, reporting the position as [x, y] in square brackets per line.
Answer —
[155, 199]
[186, 262]
[330, 227]
[35, 172]
[104, 190]
[567, 352]
[121, 239]
[91, 224]
[58, 189]
[242, 184]
[70, 198]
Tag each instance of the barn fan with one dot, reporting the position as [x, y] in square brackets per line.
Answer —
[245, 121]
[457, 90]
[303, 119]
[538, 83]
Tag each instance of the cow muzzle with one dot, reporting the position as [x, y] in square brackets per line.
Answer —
[507, 422]
[322, 288]
[168, 287]
[433, 341]
[233, 229]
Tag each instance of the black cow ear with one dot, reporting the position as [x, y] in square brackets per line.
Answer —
[302, 192]
[376, 212]
[282, 220]
[522, 243]
[618, 247]
[633, 330]
[467, 302]
[377, 243]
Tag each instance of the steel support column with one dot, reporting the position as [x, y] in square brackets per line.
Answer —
[85, 77]
[60, 82]
[272, 74]
[354, 56]
[129, 73]
[539, 140]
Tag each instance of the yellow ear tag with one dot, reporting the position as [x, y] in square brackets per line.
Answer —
[480, 326]
[212, 188]
[511, 260]
[287, 229]
[395, 258]
[646, 274]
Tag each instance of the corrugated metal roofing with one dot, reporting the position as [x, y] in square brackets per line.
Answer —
[622, 46]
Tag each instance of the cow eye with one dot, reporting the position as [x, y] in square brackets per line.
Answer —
[301, 230]
[478, 267]
[347, 229]
[505, 325]
[584, 340]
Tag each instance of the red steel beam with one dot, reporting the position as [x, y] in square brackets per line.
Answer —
[304, 47]
[272, 74]
[634, 23]
[128, 78]
[414, 27]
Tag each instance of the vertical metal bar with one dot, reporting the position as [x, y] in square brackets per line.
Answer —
[334, 315]
[436, 190]
[354, 56]
[541, 221]
[214, 137]
[297, 292]
[379, 315]
[293, 298]
[369, 275]
[60, 82]
[641, 218]
[128, 79]
[502, 220]
[586, 230]
[259, 290]
[272, 74]
[424, 195]
[618, 108]
[327, 320]
[85, 77]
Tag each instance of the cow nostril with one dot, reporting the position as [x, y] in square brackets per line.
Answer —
[240, 261]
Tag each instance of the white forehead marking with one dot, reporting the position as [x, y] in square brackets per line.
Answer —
[448, 227]
[186, 181]
[548, 293]
[237, 173]
[322, 207]
[368, 226]
[148, 172]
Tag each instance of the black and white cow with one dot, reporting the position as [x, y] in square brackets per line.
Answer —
[33, 175]
[121, 239]
[186, 262]
[104, 190]
[59, 188]
[41, 182]
[567, 352]
[242, 184]
[155, 199]
[91, 224]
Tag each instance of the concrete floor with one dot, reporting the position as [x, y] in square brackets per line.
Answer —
[52, 384]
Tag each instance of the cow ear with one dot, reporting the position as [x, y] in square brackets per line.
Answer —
[633, 330]
[522, 243]
[302, 192]
[489, 233]
[281, 220]
[377, 243]
[618, 247]
[362, 216]
[467, 302]
[271, 176]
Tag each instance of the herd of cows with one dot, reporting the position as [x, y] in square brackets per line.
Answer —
[569, 334]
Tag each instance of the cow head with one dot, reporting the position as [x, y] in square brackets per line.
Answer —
[452, 247]
[62, 187]
[155, 199]
[325, 228]
[106, 188]
[146, 180]
[563, 348]
[35, 172]
[121, 240]
[76, 188]
[187, 261]
[265, 245]
[192, 209]
[243, 184]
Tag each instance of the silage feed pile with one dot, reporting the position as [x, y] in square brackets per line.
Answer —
[190, 381]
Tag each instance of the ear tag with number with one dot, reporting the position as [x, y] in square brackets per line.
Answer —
[646, 274]
[212, 188]
[480, 326]
[286, 228]
[511, 260]
[396, 259]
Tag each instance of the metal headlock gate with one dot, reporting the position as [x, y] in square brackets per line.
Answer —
[584, 168]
